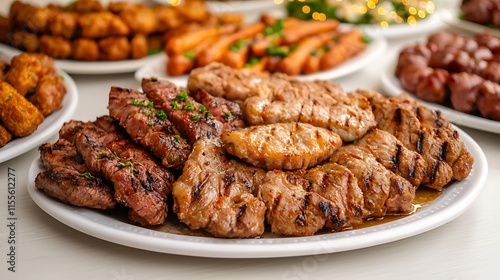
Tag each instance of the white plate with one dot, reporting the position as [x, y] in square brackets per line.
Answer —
[236, 6]
[92, 67]
[393, 87]
[451, 17]
[454, 201]
[375, 49]
[394, 31]
[48, 127]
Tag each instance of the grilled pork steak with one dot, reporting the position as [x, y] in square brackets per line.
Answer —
[282, 146]
[393, 155]
[215, 193]
[148, 126]
[191, 118]
[445, 154]
[67, 178]
[291, 210]
[383, 191]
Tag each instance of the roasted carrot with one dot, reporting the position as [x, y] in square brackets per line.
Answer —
[237, 55]
[348, 44]
[215, 52]
[307, 29]
[311, 65]
[294, 62]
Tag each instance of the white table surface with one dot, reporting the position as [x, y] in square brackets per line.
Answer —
[465, 248]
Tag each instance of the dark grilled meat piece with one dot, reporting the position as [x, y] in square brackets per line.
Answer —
[148, 126]
[215, 193]
[67, 178]
[282, 146]
[384, 192]
[227, 112]
[445, 154]
[393, 155]
[192, 121]
[237, 85]
[337, 184]
[489, 102]
[293, 211]
[133, 186]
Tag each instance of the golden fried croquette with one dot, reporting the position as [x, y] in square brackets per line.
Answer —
[25, 40]
[18, 115]
[102, 24]
[114, 48]
[48, 66]
[63, 24]
[55, 46]
[118, 7]
[28, 17]
[86, 6]
[140, 20]
[139, 46]
[85, 49]
[49, 94]
[23, 80]
[5, 136]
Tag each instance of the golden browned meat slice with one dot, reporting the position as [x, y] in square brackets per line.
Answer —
[215, 193]
[393, 155]
[426, 116]
[446, 155]
[384, 192]
[5, 136]
[67, 178]
[293, 211]
[17, 114]
[282, 146]
[337, 184]
[237, 85]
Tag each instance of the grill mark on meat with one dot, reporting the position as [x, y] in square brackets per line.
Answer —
[397, 116]
[241, 211]
[411, 172]
[325, 208]
[435, 168]
[302, 217]
[397, 157]
[198, 188]
[443, 150]
[368, 180]
[420, 141]
[437, 119]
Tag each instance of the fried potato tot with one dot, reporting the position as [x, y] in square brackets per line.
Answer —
[5, 136]
[139, 46]
[140, 20]
[114, 48]
[85, 49]
[17, 114]
[55, 46]
[49, 94]
[63, 24]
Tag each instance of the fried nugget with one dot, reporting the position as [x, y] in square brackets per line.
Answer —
[49, 94]
[85, 49]
[102, 24]
[114, 48]
[139, 46]
[140, 20]
[24, 40]
[63, 24]
[18, 115]
[55, 46]
[5, 136]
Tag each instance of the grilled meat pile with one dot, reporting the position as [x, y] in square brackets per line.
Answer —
[234, 177]
[485, 12]
[455, 71]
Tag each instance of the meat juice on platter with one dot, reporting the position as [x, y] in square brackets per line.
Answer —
[277, 161]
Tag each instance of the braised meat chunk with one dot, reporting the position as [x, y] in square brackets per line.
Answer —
[148, 126]
[282, 146]
[190, 117]
[215, 193]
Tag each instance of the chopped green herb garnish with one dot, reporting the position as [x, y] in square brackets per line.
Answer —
[154, 51]
[151, 123]
[252, 61]
[182, 96]
[161, 115]
[365, 39]
[61, 77]
[148, 112]
[142, 103]
[175, 105]
[103, 155]
[191, 54]
[277, 51]
[228, 114]
[202, 109]
[314, 53]
[87, 175]
[116, 155]
[237, 46]
[195, 118]
[128, 164]
[292, 47]
[177, 138]
[275, 29]
[188, 107]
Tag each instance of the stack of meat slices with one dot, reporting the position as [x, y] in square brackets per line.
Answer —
[326, 160]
